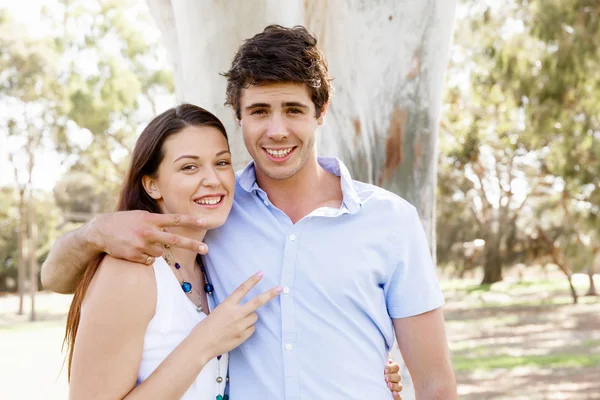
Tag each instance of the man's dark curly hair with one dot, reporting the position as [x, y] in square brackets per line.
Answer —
[277, 55]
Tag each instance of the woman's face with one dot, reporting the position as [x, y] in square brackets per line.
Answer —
[195, 176]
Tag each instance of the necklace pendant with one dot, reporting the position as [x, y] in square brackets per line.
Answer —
[208, 288]
[199, 309]
[186, 286]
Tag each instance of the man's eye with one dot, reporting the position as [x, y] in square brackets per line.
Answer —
[258, 112]
[295, 111]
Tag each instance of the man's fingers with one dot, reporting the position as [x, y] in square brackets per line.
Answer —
[393, 378]
[242, 290]
[262, 299]
[392, 368]
[154, 250]
[139, 257]
[173, 240]
[169, 220]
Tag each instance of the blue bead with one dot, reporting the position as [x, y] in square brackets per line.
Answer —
[219, 397]
[226, 397]
[177, 266]
[186, 286]
[208, 288]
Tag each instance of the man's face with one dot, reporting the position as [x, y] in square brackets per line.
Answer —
[279, 127]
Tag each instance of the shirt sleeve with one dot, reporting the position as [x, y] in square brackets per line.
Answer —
[413, 287]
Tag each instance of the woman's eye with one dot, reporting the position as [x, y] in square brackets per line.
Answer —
[223, 163]
[189, 167]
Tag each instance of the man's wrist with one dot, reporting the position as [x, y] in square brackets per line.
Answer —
[91, 235]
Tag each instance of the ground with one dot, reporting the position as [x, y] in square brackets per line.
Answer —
[518, 339]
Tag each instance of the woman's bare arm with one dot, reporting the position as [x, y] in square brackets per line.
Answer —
[119, 304]
[128, 235]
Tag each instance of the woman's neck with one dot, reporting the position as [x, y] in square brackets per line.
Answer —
[185, 258]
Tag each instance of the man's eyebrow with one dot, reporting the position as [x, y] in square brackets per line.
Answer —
[295, 104]
[257, 105]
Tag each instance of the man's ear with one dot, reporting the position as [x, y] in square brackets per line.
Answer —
[323, 112]
[151, 187]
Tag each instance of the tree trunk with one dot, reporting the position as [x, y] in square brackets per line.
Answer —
[21, 263]
[387, 59]
[492, 260]
[592, 270]
[33, 264]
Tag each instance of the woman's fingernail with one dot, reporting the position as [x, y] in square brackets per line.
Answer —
[395, 394]
[260, 274]
[387, 378]
[202, 247]
[278, 289]
[390, 385]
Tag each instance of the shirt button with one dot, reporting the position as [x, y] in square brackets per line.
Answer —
[286, 290]
[288, 347]
[292, 237]
[267, 203]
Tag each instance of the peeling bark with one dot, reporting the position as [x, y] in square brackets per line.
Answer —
[393, 142]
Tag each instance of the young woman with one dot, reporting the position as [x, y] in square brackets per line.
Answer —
[138, 332]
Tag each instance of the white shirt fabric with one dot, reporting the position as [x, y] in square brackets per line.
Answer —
[173, 320]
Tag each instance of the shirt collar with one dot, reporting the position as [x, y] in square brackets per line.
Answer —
[351, 200]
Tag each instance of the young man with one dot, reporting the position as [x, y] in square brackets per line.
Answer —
[352, 258]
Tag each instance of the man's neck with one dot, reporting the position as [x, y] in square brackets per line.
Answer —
[311, 188]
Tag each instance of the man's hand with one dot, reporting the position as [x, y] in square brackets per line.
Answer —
[139, 236]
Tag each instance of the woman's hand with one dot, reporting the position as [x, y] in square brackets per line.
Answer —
[232, 323]
[392, 379]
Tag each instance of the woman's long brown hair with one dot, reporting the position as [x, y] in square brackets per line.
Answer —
[147, 156]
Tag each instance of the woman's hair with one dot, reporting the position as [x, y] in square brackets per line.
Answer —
[279, 55]
[147, 156]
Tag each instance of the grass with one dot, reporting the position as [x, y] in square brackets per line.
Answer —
[464, 364]
[32, 326]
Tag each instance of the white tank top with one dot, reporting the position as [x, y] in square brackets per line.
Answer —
[174, 319]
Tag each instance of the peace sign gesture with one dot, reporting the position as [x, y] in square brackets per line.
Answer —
[232, 323]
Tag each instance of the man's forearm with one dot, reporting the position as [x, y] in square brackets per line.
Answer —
[438, 389]
[67, 260]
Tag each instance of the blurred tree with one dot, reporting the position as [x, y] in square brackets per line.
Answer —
[29, 85]
[527, 119]
[80, 92]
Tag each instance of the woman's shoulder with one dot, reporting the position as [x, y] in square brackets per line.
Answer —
[127, 272]
[124, 282]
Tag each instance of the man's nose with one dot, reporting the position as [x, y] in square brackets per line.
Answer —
[277, 129]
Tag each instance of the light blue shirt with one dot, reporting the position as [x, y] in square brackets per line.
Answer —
[345, 272]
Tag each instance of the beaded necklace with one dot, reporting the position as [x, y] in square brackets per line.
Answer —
[187, 288]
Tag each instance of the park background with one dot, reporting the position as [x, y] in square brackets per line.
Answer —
[483, 114]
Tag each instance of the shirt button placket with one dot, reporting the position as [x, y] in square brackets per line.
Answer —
[288, 318]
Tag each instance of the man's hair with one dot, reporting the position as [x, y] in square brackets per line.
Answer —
[279, 55]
